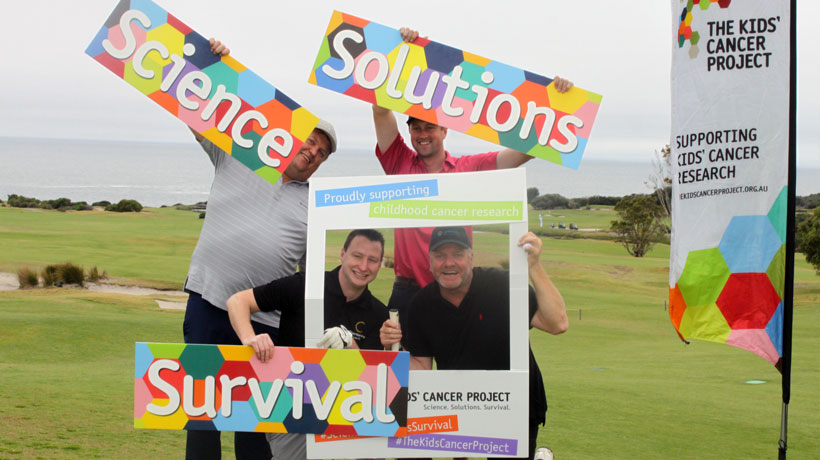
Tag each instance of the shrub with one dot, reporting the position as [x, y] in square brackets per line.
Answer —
[19, 201]
[59, 203]
[58, 274]
[50, 275]
[93, 274]
[809, 235]
[102, 203]
[125, 206]
[27, 278]
[82, 206]
[71, 274]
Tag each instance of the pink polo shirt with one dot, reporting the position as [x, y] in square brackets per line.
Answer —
[411, 244]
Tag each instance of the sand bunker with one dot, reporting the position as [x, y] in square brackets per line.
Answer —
[8, 282]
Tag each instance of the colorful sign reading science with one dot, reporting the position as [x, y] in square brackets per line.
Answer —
[300, 390]
[455, 89]
[216, 96]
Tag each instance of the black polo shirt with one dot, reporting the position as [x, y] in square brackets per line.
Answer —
[363, 316]
[474, 335]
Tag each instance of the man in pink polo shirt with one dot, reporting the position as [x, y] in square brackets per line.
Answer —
[427, 156]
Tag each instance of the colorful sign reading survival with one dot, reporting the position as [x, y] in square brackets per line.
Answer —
[216, 96]
[455, 89]
[300, 390]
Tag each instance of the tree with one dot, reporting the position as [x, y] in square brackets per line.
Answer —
[661, 179]
[550, 201]
[532, 193]
[125, 206]
[640, 224]
[809, 235]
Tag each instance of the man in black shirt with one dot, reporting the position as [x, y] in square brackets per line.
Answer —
[462, 319]
[350, 310]
[351, 314]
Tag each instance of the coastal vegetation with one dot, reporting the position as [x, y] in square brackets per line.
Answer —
[65, 204]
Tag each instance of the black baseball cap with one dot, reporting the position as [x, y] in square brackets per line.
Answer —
[444, 235]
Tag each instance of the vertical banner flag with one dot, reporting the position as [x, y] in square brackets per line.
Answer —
[216, 96]
[455, 89]
[730, 131]
[300, 390]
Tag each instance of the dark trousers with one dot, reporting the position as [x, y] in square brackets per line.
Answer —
[205, 323]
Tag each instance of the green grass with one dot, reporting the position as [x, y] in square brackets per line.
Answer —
[152, 247]
[620, 383]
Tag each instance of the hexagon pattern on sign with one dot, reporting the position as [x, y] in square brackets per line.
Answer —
[456, 89]
[734, 293]
[173, 65]
[244, 394]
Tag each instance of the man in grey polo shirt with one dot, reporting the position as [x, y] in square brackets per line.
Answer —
[254, 232]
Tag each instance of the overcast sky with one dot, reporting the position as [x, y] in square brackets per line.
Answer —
[51, 88]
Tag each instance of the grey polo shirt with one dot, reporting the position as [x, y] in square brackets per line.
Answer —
[254, 232]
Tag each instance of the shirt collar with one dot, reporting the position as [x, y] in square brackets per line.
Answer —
[333, 287]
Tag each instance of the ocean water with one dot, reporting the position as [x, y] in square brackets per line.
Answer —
[158, 174]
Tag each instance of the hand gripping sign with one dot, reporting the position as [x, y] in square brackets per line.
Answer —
[216, 96]
[455, 89]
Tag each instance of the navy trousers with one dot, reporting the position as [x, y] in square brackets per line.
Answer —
[205, 323]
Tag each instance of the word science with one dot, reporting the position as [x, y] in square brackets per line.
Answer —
[215, 96]
[455, 89]
[301, 390]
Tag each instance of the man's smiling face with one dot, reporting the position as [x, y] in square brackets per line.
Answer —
[313, 152]
[427, 138]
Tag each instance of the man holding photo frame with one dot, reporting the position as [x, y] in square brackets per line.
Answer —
[462, 318]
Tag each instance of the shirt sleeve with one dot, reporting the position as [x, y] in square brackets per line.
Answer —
[479, 162]
[397, 158]
[215, 154]
[283, 294]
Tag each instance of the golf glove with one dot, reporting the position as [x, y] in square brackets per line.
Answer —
[336, 337]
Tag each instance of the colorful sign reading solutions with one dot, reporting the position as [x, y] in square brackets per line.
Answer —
[216, 96]
[300, 390]
[455, 89]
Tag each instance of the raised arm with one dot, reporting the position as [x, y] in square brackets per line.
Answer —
[383, 119]
[218, 48]
[387, 128]
[509, 158]
[240, 307]
[551, 315]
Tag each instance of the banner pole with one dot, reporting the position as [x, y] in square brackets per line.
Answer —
[788, 288]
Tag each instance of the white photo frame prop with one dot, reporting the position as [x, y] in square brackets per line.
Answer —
[474, 413]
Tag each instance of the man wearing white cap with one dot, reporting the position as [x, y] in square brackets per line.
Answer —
[254, 232]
